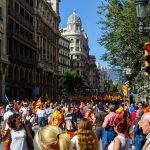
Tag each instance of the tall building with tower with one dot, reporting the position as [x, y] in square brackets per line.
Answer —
[79, 49]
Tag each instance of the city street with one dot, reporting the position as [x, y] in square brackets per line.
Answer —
[82, 66]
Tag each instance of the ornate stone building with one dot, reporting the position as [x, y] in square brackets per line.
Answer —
[32, 48]
[21, 49]
[103, 78]
[79, 49]
[64, 55]
[47, 37]
[3, 48]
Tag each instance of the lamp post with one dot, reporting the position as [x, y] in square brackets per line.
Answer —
[141, 11]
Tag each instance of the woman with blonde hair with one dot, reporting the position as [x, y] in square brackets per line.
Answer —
[85, 139]
[52, 138]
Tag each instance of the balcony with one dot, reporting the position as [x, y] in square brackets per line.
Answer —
[18, 34]
[22, 59]
[20, 18]
[27, 6]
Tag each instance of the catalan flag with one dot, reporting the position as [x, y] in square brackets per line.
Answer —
[38, 103]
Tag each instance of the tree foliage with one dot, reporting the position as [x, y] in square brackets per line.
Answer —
[70, 81]
[120, 36]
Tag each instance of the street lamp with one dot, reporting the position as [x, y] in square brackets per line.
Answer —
[141, 11]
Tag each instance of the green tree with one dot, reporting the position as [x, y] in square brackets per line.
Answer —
[70, 81]
[120, 35]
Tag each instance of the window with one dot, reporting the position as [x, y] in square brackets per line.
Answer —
[71, 48]
[22, 12]
[31, 3]
[0, 45]
[77, 48]
[77, 27]
[31, 19]
[1, 13]
[22, 30]
[77, 41]
[26, 51]
[17, 27]
[21, 49]
[72, 41]
[10, 46]
[26, 33]
[77, 56]
[30, 53]
[15, 47]
[16, 7]
[26, 16]
[10, 3]
[11, 24]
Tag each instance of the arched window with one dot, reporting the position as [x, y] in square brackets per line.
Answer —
[26, 75]
[16, 74]
[30, 77]
[10, 70]
[21, 74]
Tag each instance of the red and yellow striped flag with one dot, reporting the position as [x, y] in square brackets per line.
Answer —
[38, 103]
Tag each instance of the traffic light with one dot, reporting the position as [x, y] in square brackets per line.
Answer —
[147, 58]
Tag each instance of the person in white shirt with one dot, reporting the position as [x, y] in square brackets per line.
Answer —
[7, 114]
[41, 113]
[121, 141]
[24, 109]
[20, 134]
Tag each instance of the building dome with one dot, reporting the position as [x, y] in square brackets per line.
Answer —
[74, 18]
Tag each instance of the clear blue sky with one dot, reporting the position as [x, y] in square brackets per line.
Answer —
[87, 10]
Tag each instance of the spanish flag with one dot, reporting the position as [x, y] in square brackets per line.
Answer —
[38, 103]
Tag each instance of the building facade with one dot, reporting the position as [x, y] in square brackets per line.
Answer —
[21, 48]
[30, 29]
[47, 38]
[79, 49]
[93, 75]
[3, 48]
[64, 55]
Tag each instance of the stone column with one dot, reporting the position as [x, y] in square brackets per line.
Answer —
[2, 86]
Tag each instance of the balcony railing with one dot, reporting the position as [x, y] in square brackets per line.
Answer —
[20, 35]
[17, 58]
[27, 6]
[20, 18]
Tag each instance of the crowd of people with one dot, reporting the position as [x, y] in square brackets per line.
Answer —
[75, 126]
